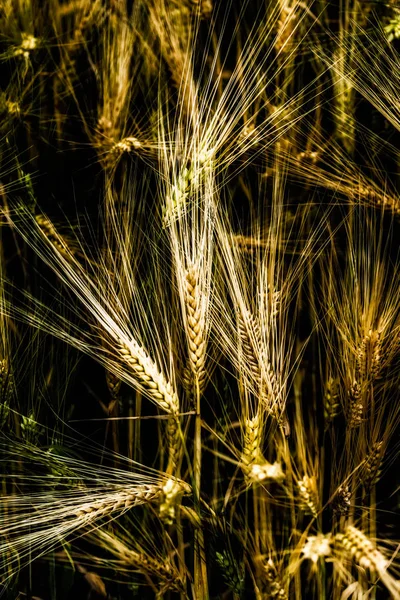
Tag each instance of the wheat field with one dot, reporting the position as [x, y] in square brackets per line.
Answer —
[199, 299]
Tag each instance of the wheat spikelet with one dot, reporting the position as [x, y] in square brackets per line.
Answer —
[61, 473]
[376, 355]
[9, 107]
[30, 429]
[4, 413]
[358, 545]
[172, 492]
[185, 185]
[174, 437]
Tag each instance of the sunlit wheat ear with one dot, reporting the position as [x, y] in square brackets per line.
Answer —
[36, 523]
[48, 509]
[126, 558]
[118, 70]
[196, 373]
[255, 467]
[120, 353]
[356, 544]
[145, 370]
[212, 109]
[123, 352]
[128, 146]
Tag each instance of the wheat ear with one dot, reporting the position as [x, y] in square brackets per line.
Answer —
[356, 543]
[116, 503]
[251, 343]
[148, 375]
[254, 465]
[372, 464]
[161, 392]
[274, 581]
[196, 329]
[331, 401]
[162, 570]
[113, 384]
[368, 358]
[49, 231]
[308, 494]
[356, 405]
